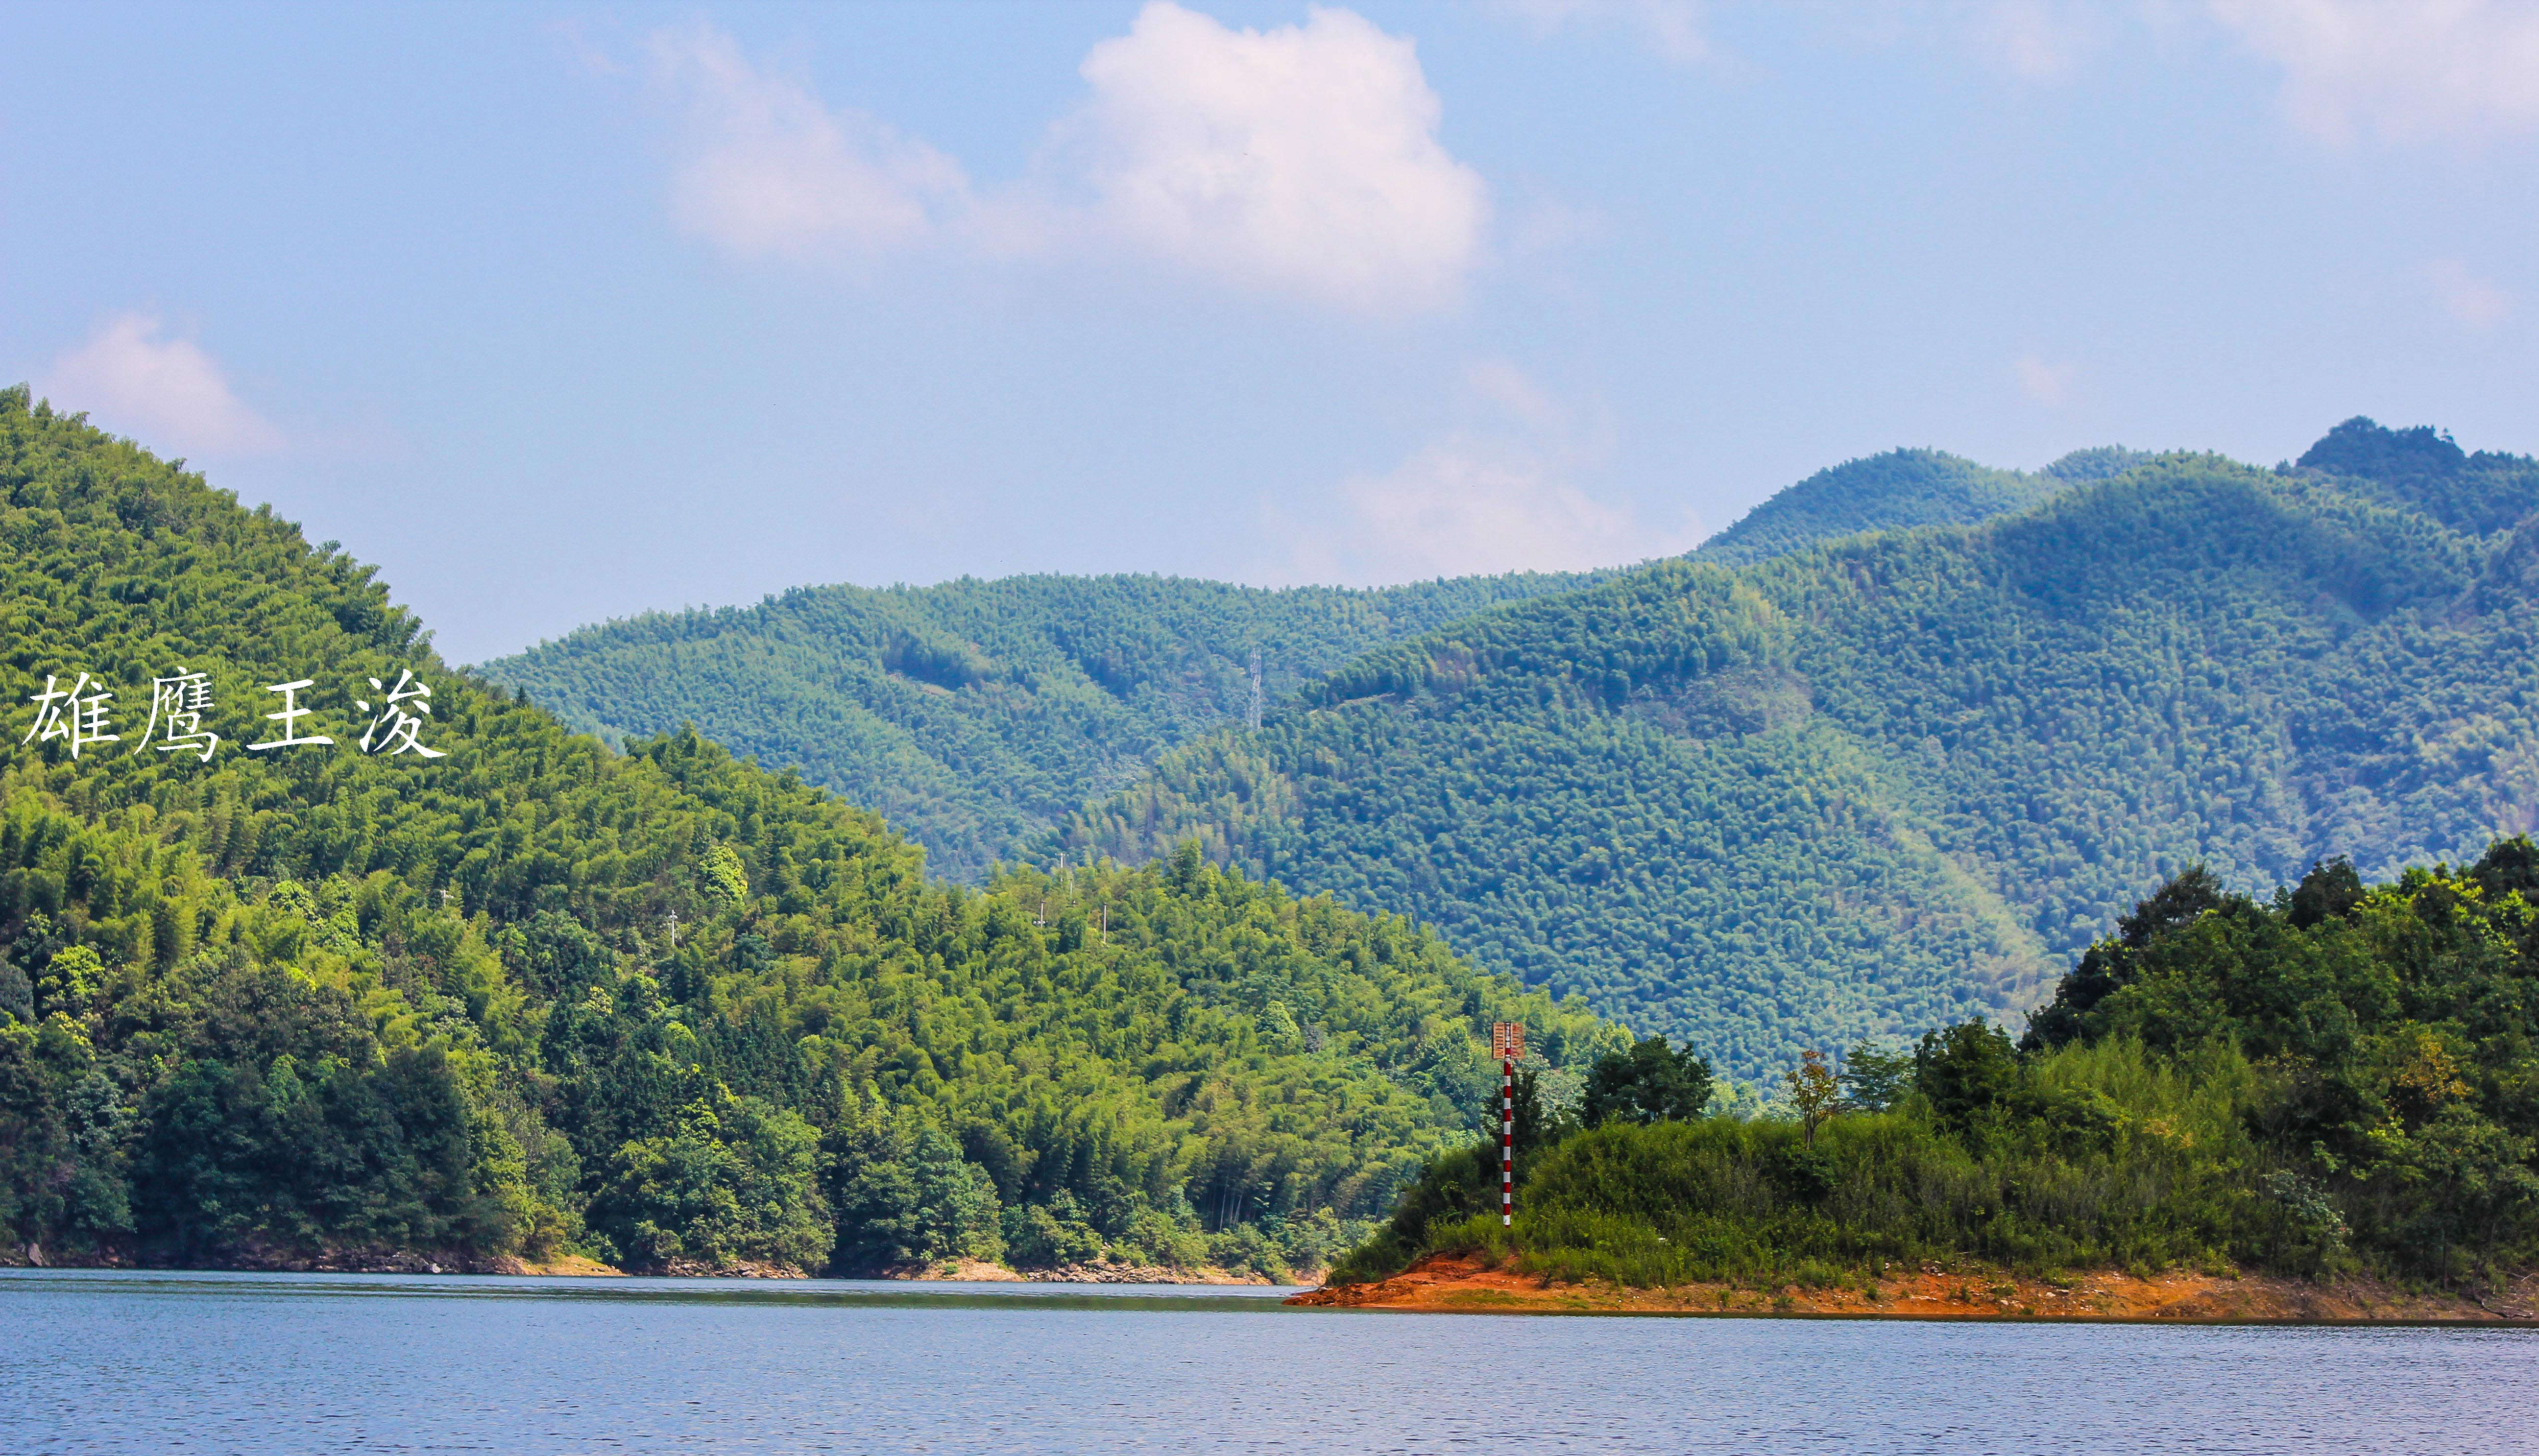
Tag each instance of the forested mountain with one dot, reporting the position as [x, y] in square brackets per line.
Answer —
[975, 715]
[1892, 782]
[311, 947]
[1896, 492]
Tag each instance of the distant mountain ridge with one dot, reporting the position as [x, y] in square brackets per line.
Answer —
[1868, 787]
[1897, 490]
[975, 715]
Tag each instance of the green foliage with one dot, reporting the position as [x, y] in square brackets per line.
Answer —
[1897, 781]
[1542, 1115]
[1753, 1202]
[722, 875]
[2421, 470]
[732, 1180]
[1968, 1072]
[659, 1005]
[2235, 1080]
[1452, 1191]
[335, 1150]
[906, 1195]
[1811, 1092]
[1873, 1078]
[2394, 1031]
[1894, 491]
[1650, 1082]
[1756, 1202]
[1053, 1235]
[976, 714]
[2102, 462]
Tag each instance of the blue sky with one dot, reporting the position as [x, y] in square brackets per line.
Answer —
[565, 312]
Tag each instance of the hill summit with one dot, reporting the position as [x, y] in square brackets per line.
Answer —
[977, 716]
[1891, 781]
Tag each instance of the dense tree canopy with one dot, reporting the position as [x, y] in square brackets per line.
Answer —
[534, 994]
[975, 715]
[2339, 1077]
[1885, 784]
[1897, 490]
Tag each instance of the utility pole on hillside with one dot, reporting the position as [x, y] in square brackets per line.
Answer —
[1507, 1044]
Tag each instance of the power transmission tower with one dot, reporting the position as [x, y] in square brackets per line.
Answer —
[1253, 715]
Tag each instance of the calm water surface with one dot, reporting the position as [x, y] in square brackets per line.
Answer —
[159, 1363]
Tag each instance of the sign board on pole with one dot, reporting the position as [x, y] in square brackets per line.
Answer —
[1507, 1040]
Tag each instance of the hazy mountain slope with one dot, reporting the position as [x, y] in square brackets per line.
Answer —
[1896, 490]
[1861, 788]
[975, 712]
[532, 994]
[2421, 470]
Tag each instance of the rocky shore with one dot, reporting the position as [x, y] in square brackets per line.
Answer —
[1450, 1282]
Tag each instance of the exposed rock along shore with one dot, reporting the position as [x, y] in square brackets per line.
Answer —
[1454, 1282]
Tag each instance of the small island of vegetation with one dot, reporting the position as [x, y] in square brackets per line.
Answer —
[2334, 1090]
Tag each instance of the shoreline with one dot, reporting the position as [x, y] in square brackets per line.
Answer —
[1444, 1284]
[575, 1266]
[339, 1261]
[979, 1271]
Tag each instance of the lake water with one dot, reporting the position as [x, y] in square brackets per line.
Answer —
[217, 1362]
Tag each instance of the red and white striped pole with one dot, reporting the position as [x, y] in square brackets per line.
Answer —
[1507, 1142]
[1507, 1044]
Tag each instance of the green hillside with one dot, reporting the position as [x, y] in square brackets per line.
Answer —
[975, 715]
[2334, 1077]
[462, 982]
[1896, 492]
[1873, 787]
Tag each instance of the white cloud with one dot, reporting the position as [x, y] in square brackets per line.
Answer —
[1504, 386]
[2036, 39]
[1541, 223]
[2045, 382]
[1499, 497]
[2431, 68]
[1462, 507]
[767, 170]
[1671, 27]
[2467, 298]
[167, 392]
[1301, 159]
